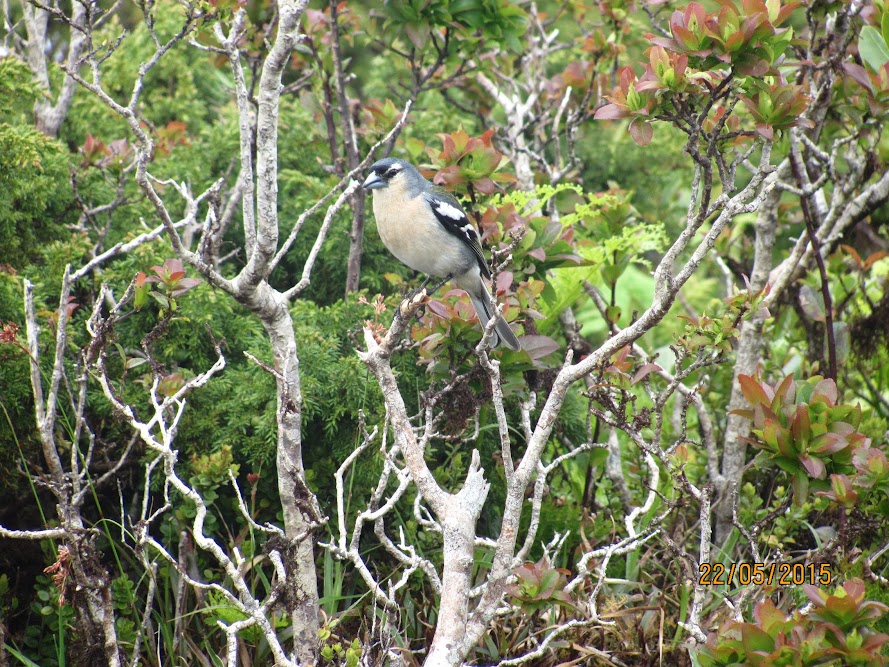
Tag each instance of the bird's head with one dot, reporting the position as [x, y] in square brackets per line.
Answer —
[387, 171]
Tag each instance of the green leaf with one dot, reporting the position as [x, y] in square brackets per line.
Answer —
[755, 639]
[800, 488]
[161, 299]
[18, 656]
[885, 27]
[872, 48]
[550, 233]
[812, 303]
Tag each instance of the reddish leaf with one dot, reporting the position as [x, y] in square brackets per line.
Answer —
[800, 425]
[873, 258]
[784, 392]
[641, 131]
[768, 616]
[644, 371]
[504, 281]
[485, 185]
[816, 595]
[449, 176]
[610, 112]
[93, 148]
[859, 75]
[873, 643]
[827, 443]
[440, 309]
[538, 346]
[752, 390]
[815, 467]
[765, 131]
[185, 285]
[828, 389]
[855, 589]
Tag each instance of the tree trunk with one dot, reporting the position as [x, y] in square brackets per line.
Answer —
[734, 452]
[48, 117]
[356, 242]
[458, 533]
[353, 159]
[297, 501]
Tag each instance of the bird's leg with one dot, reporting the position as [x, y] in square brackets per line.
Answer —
[436, 288]
[419, 295]
[409, 295]
[424, 283]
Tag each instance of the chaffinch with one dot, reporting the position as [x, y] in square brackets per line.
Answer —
[426, 228]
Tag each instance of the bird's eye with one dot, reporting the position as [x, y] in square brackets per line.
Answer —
[392, 172]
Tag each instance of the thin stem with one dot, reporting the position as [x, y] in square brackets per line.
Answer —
[802, 180]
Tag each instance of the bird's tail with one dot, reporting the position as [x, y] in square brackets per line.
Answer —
[485, 307]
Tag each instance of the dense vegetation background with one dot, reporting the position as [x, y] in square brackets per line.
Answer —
[743, 419]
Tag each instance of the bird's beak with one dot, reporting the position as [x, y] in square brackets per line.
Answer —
[373, 182]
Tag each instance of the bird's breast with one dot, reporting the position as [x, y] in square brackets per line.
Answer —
[409, 230]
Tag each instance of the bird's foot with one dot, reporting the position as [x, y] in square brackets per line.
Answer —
[413, 302]
[421, 291]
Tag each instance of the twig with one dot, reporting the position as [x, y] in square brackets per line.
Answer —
[802, 178]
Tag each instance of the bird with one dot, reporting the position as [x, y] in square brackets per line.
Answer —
[426, 228]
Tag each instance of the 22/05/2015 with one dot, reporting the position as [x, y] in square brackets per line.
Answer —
[758, 574]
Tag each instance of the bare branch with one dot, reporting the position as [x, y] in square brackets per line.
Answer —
[332, 210]
[343, 183]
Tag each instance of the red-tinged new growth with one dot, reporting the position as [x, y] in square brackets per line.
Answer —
[803, 429]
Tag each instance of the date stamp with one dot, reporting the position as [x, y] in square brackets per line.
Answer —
[759, 574]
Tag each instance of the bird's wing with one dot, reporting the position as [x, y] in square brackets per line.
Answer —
[453, 218]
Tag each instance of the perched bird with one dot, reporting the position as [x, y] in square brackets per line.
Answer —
[426, 228]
